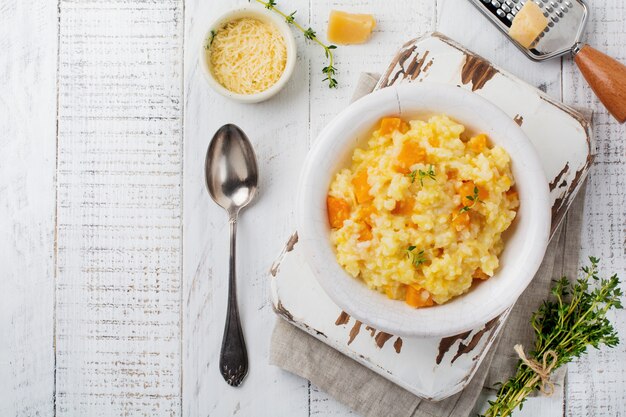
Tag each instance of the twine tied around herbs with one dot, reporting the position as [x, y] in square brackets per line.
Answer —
[542, 370]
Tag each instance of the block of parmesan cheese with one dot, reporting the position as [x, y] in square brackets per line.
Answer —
[528, 24]
[348, 28]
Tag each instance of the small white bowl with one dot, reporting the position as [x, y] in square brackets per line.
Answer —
[524, 243]
[264, 15]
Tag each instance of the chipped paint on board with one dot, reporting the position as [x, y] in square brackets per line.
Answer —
[343, 318]
[477, 71]
[446, 343]
[559, 176]
[469, 347]
[354, 331]
[381, 338]
[397, 345]
[291, 243]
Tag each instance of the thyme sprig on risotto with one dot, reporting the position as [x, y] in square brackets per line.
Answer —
[419, 174]
[565, 327]
[417, 258]
[473, 198]
[309, 34]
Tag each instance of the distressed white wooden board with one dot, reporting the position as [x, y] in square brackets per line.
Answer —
[27, 201]
[119, 209]
[596, 384]
[422, 365]
[278, 130]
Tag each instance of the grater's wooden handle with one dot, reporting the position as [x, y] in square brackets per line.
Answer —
[607, 78]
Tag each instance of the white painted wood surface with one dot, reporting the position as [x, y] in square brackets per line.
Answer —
[129, 304]
[118, 216]
[28, 96]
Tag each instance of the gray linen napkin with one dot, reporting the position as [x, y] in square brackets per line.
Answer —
[372, 395]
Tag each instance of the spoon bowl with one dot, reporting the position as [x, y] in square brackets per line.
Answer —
[232, 175]
[231, 170]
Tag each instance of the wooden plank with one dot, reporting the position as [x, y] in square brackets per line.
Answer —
[396, 23]
[595, 384]
[119, 209]
[278, 129]
[462, 21]
[28, 36]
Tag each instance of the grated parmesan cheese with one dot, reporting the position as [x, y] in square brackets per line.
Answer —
[247, 56]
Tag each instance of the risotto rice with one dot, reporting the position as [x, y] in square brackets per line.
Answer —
[420, 213]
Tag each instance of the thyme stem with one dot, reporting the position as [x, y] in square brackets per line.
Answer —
[309, 33]
[566, 327]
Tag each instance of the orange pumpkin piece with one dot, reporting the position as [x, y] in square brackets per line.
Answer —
[365, 233]
[452, 174]
[389, 125]
[418, 297]
[460, 221]
[410, 154]
[404, 207]
[478, 143]
[338, 211]
[361, 187]
[479, 274]
[366, 214]
[467, 190]
[433, 141]
[404, 127]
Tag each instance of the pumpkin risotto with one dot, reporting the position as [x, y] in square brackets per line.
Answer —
[420, 213]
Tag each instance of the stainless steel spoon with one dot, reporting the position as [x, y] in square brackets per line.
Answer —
[231, 177]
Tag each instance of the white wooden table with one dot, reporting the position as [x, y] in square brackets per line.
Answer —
[113, 258]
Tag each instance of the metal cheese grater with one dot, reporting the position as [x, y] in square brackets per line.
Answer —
[566, 22]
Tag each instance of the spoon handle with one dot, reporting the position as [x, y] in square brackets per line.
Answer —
[233, 357]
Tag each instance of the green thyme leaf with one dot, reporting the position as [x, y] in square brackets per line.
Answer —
[417, 258]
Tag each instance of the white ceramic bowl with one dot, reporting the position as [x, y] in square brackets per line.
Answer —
[525, 241]
[264, 15]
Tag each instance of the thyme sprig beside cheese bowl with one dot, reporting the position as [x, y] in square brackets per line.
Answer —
[309, 34]
[565, 327]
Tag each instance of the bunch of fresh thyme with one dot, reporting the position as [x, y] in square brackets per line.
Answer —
[564, 327]
[310, 34]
